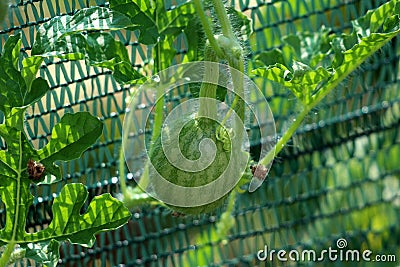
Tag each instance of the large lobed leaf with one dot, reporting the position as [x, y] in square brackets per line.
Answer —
[55, 31]
[310, 65]
[70, 138]
[104, 213]
[77, 37]
[83, 36]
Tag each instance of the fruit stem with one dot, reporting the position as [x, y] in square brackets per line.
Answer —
[209, 89]
[238, 85]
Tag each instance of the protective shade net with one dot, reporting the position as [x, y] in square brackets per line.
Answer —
[339, 177]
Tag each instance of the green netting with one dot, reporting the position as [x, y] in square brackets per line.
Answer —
[338, 178]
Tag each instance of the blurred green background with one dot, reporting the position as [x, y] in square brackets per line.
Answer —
[339, 177]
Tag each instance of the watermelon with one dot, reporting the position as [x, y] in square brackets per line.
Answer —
[191, 134]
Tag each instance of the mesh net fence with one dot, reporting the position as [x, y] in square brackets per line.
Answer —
[339, 177]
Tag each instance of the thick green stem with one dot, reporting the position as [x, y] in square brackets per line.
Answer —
[285, 138]
[206, 108]
[207, 27]
[122, 175]
[235, 61]
[209, 89]
[238, 85]
[222, 15]
[158, 116]
[127, 197]
[238, 103]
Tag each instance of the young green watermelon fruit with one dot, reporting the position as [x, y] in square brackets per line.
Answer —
[189, 138]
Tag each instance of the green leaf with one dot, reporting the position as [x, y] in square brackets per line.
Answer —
[308, 48]
[141, 15]
[17, 208]
[311, 65]
[77, 37]
[18, 89]
[37, 90]
[56, 30]
[278, 73]
[11, 83]
[74, 134]
[104, 213]
[158, 25]
[154, 22]
[165, 52]
[70, 138]
[196, 41]
[104, 51]
[46, 253]
[30, 68]
[14, 185]
[266, 58]
[173, 22]
[10, 55]
[300, 81]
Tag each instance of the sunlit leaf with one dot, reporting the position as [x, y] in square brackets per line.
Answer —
[21, 89]
[77, 37]
[74, 134]
[104, 213]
